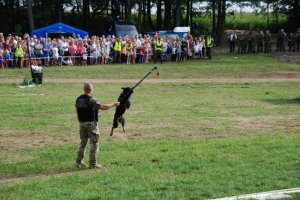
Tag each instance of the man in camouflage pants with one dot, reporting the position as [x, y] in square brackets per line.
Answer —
[267, 42]
[260, 42]
[87, 111]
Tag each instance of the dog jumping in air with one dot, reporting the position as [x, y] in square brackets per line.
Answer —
[125, 103]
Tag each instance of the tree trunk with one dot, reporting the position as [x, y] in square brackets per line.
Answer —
[86, 13]
[18, 4]
[159, 17]
[191, 16]
[177, 13]
[268, 14]
[168, 14]
[149, 14]
[128, 10]
[11, 4]
[59, 10]
[221, 20]
[223, 12]
[144, 13]
[139, 22]
[187, 17]
[30, 15]
[213, 30]
[296, 18]
[125, 9]
[219, 17]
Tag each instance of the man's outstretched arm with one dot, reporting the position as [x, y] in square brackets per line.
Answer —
[108, 106]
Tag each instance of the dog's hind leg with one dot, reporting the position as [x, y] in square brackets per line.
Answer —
[122, 121]
[112, 131]
[115, 125]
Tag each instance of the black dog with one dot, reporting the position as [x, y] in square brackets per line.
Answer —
[120, 110]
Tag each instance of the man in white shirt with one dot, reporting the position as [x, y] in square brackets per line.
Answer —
[232, 38]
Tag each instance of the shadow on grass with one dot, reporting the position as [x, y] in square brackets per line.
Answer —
[283, 101]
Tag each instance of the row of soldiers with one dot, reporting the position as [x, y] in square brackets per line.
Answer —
[262, 42]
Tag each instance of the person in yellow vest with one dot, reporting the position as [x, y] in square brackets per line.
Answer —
[19, 54]
[209, 45]
[158, 45]
[117, 50]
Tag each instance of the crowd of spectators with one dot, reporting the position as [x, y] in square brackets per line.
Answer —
[15, 51]
[95, 50]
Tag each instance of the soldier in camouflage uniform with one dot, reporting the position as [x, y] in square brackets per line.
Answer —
[267, 42]
[260, 42]
[280, 40]
[250, 39]
[243, 42]
[291, 42]
[87, 111]
[298, 39]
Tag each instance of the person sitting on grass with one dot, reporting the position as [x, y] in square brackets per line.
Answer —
[67, 61]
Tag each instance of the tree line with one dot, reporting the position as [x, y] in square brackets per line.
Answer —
[20, 16]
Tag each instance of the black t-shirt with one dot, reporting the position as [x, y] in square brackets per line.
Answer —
[184, 45]
[87, 108]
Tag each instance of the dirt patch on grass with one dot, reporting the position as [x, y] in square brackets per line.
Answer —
[206, 128]
[290, 57]
[30, 140]
[267, 123]
[209, 128]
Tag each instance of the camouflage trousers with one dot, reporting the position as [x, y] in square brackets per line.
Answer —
[88, 130]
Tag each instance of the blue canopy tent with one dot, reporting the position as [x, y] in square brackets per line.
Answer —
[57, 28]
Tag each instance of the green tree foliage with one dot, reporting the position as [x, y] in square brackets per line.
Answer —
[90, 14]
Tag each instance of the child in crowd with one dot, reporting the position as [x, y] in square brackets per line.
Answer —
[169, 52]
[123, 53]
[173, 56]
[178, 51]
[93, 56]
[1, 59]
[67, 61]
[7, 60]
[55, 55]
[196, 49]
[129, 48]
[84, 56]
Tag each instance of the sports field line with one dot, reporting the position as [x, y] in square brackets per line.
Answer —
[276, 194]
[159, 80]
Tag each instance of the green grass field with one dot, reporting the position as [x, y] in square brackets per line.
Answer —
[196, 140]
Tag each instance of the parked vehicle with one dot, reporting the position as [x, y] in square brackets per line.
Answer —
[180, 32]
[120, 28]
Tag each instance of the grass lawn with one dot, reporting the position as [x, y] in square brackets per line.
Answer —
[182, 140]
[222, 66]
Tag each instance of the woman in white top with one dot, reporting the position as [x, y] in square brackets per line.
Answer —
[55, 54]
[106, 52]
[196, 48]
